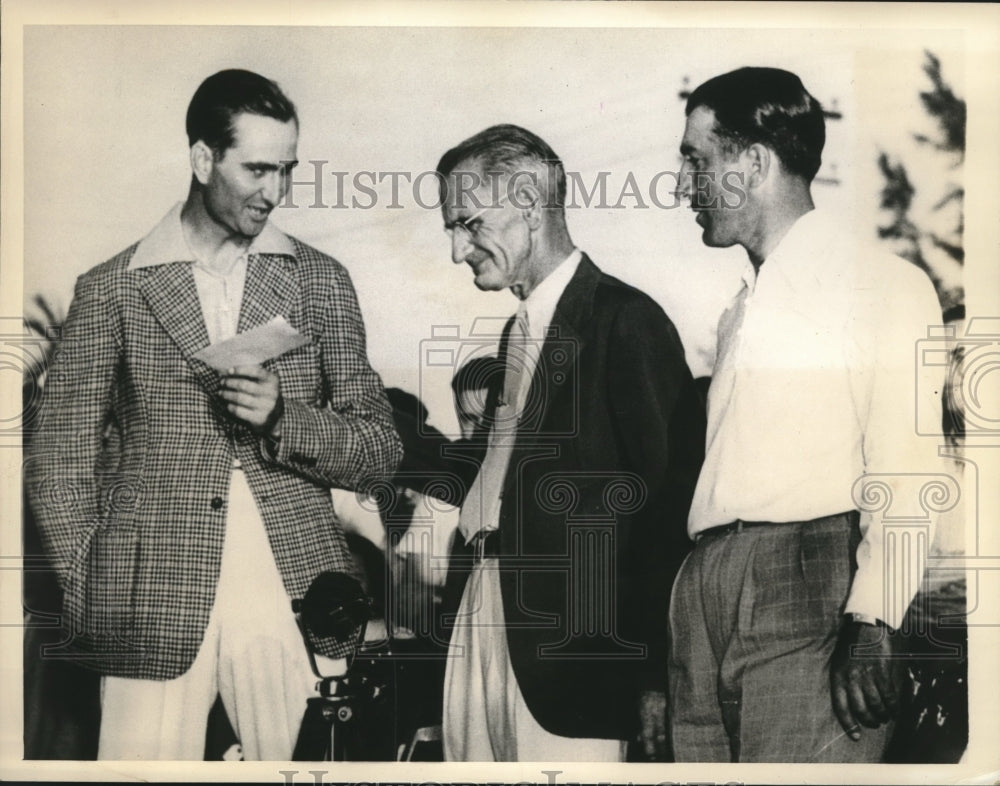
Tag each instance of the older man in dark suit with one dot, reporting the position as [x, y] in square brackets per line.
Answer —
[577, 516]
[183, 507]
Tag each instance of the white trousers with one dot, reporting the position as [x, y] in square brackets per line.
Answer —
[252, 655]
[485, 717]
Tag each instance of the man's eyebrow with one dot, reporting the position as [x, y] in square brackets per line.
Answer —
[270, 166]
[687, 149]
[459, 220]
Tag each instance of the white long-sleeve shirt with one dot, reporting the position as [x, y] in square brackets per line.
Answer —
[813, 404]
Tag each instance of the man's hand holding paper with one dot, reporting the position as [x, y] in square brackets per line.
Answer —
[251, 392]
[253, 347]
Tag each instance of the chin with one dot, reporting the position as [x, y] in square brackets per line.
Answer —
[712, 241]
[488, 281]
[252, 230]
[487, 285]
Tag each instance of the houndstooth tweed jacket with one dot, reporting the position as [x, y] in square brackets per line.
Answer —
[128, 473]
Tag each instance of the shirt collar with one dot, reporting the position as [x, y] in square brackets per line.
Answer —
[804, 246]
[540, 305]
[166, 243]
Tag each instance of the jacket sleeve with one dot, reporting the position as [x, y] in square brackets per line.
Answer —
[63, 452]
[660, 423]
[351, 442]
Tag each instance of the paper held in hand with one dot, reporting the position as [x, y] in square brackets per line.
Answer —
[253, 347]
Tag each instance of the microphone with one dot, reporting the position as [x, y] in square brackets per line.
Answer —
[334, 605]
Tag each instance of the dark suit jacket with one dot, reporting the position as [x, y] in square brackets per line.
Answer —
[594, 509]
[129, 469]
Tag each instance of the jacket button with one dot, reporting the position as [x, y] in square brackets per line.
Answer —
[216, 503]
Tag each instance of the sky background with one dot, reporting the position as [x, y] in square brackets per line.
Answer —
[106, 155]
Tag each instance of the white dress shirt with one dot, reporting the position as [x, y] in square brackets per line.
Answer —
[815, 388]
[540, 307]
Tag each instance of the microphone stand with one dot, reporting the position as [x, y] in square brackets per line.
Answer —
[322, 736]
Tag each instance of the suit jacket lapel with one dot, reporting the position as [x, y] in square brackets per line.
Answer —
[563, 344]
[270, 290]
[173, 300]
[170, 291]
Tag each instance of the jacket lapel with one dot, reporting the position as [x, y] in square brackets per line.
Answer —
[557, 362]
[270, 290]
[170, 291]
[172, 297]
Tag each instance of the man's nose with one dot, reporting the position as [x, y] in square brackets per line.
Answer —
[460, 246]
[684, 181]
[274, 188]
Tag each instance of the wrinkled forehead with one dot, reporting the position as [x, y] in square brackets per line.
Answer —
[469, 187]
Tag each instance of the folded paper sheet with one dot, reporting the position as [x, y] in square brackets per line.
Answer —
[253, 347]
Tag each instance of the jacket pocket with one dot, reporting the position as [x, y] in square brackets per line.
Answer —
[100, 598]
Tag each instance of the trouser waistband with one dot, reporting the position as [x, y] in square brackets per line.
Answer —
[735, 527]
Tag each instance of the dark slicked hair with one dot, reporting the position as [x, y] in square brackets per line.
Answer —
[509, 149]
[766, 106]
[226, 94]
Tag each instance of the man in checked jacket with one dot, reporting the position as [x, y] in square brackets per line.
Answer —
[184, 508]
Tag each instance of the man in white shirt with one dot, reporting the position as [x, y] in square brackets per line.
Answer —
[811, 423]
[577, 514]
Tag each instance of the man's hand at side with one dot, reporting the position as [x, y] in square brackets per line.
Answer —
[653, 724]
[253, 395]
[862, 682]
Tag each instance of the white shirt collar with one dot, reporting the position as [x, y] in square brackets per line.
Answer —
[166, 243]
[812, 231]
[540, 305]
[808, 243]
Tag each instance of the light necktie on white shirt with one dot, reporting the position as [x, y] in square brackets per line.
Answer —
[481, 510]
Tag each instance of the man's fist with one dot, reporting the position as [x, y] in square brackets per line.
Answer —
[253, 395]
[863, 685]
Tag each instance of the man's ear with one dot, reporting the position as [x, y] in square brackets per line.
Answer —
[202, 161]
[759, 162]
[528, 199]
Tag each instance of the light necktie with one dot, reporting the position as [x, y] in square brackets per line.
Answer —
[481, 510]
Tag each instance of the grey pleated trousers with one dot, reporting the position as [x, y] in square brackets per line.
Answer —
[754, 619]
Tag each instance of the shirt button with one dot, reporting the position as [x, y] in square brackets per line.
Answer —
[216, 503]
